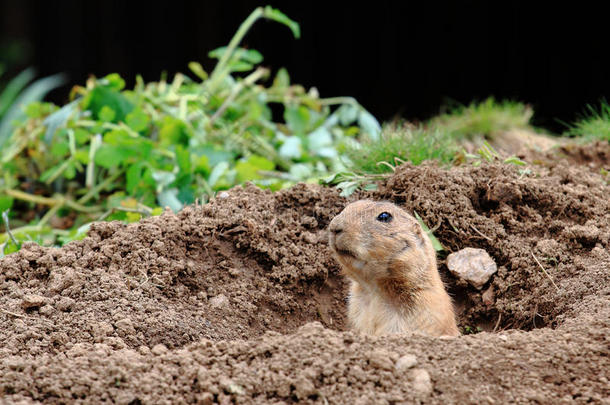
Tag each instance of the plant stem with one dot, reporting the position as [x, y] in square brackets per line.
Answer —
[99, 187]
[248, 81]
[61, 201]
[8, 229]
[226, 56]
[20, 195]
[339, 100]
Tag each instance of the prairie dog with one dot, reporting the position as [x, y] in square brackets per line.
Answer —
[395, 284]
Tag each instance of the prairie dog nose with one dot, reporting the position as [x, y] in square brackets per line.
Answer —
[335, 227]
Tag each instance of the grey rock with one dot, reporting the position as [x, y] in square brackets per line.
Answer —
[472, 265]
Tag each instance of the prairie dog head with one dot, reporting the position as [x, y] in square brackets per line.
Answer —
[379, 245]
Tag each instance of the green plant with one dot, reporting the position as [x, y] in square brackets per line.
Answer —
[488, 154]
[594, 125]
[114, 153]
[472, 330]
[401, 143]
[488, 118]
[20, 91]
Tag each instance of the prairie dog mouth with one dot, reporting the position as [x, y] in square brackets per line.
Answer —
[339, 249]
[345, 252]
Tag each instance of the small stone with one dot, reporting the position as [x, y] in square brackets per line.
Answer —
[303, 387]
[222, 195]
[219, 301]
[422, 384]
[489, 296]
[231, 387]
[33, 301]
[159, 349]
[380, 359]
[125, 326]
[472, 265]
[144, 350]
[310, 238]
[46, 310]
[101, 329]
[65, 304]
[206, 398]
[405, 362]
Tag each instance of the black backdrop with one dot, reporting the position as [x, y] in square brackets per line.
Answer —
[397, 58]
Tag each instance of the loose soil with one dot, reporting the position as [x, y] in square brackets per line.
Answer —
[240, 301]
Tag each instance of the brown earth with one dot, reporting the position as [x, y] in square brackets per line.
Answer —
[240, 301]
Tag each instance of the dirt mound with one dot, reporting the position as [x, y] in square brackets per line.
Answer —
[215, 304]
[595, 155]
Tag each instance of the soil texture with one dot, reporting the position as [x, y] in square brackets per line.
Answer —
[240, 300]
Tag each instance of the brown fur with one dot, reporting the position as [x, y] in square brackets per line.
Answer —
[395, 284]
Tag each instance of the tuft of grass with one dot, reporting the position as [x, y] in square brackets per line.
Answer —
[594, 125]
[402, 143]
[488, 118]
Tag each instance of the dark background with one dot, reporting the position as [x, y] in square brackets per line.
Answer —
[397, 58]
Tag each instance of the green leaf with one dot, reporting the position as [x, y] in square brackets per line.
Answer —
[282, 79]
[219, 170]
[169, 198]
[60, 149]
[113, 81]
[319, 138]
[248, 169]
[6, 202]
[34, 92]
[183, 158]
[369, 124]
[240, 66]
[291, 148]
[202, 165]
[13, 88]
[250, 56]
[297, 119]
[101, 97]
[173, 131]
[276, 15]
[137, 120]
[515, 161]
[435, 242]
[133, 177]
[301, 171]
[109, 156]
[196, 68]
[107, 114]
[347, 114]
[214, 153]
[58, 119]
[347, 188]
[163, 178]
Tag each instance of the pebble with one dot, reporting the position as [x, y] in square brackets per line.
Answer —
[159, 349]
[219, 301]
[65, 304]
[33, 301]
[381, 359]
[405, 362]
[472, 265]
[422, 384]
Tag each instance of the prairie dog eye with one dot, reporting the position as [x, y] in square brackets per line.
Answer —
[384, 217]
